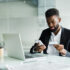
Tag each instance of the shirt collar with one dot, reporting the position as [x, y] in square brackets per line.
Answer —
[57, 33]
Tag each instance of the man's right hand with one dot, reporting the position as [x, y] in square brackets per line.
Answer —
[39, 48]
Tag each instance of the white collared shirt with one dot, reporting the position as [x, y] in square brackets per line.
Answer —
[56, 40]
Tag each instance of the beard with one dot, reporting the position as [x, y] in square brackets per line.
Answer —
[55, 28]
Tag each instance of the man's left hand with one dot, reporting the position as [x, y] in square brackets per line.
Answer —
[60, 48]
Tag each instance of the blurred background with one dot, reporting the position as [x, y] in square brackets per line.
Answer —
[27, 18]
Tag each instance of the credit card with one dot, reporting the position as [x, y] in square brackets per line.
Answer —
[52, 43]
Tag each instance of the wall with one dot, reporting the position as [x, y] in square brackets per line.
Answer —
[64, 8]
[19, 17]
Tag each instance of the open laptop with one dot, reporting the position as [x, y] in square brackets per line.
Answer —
[14, 47]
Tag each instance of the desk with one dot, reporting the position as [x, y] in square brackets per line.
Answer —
[47, 62]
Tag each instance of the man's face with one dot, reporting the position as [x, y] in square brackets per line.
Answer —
[53, 23]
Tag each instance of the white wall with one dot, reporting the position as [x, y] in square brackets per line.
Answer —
[64, 8]
[19, 17]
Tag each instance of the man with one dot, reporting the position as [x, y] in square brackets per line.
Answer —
[55, 33]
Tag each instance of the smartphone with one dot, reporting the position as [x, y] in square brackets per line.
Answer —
[39, 41]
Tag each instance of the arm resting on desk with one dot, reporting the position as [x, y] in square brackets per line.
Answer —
[68, 54]
[68, 49]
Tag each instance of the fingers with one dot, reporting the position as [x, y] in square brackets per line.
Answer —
[58, 46]
[63, 51]
[40, 48]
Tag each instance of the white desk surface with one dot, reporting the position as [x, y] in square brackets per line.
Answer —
[48, 62]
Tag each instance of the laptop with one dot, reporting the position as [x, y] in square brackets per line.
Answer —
[14, 47]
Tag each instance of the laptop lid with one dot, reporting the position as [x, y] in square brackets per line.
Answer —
[14, 46]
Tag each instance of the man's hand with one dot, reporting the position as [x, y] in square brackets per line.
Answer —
[40, 48]
[60, 48]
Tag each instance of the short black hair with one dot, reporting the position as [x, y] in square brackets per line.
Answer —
[51, 12]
